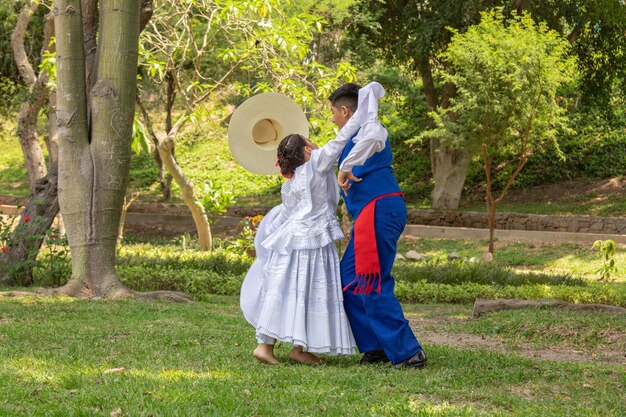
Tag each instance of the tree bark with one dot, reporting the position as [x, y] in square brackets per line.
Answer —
[107, 155]
[27, 117]
[449, 171]
[482, 306]
[17, 43]
[165, 148]
[29, 234]
[93, 176]
[449, 167]
[94, 153]
[27, 238]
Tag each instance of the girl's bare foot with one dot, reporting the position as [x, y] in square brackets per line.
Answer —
[264, 353]
[298, 355]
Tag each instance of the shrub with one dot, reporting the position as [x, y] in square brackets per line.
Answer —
[466, 293]
[480, 273]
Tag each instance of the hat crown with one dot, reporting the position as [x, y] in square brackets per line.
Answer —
[258, 125]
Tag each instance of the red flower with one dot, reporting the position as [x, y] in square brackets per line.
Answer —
[26, 219]
[4, 249]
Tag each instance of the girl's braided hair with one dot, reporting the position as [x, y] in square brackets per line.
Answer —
[290, 154]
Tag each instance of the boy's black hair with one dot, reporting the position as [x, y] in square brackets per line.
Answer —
[346, 95]
[290, 154]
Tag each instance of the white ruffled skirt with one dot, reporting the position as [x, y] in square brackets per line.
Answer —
[296, 297]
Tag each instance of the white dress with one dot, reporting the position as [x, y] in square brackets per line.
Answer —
[293, 291]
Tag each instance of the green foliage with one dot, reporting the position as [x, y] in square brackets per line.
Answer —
[216, 198]
[479, 273]
[9, 10]
[53, 267]
[607, 249]
[49, 65]
[141, 142]
[252, 45]
[244, 242]
[13, 232]
[507, 75]
[466, 293]
[593, 148]
[11, 95]
[459, 282]
[49, 264]
[145, 267]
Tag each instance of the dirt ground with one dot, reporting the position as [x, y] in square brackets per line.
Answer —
[426, 333]
[565, 191]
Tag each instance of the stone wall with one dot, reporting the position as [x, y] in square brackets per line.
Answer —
[165, 218]
[519, 221]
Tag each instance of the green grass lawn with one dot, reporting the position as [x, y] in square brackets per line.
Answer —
[62, 357]
[558, 258]
[13, 175]
[612, 205]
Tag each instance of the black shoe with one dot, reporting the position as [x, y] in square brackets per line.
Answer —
[416, 361]
[375, 356]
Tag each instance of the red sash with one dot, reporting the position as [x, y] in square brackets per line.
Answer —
[367, 265]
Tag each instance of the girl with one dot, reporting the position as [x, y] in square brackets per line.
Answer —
[292, 292]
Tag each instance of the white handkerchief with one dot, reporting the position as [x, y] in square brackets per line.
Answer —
[368, 102]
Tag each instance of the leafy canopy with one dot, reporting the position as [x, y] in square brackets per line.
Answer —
[508, 73]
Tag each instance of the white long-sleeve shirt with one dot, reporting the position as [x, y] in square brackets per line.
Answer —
[372, 138]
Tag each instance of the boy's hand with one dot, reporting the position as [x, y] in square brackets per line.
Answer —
[344, 178]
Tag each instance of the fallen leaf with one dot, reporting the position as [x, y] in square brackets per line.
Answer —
[114, 371]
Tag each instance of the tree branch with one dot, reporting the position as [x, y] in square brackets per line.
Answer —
[17, 43]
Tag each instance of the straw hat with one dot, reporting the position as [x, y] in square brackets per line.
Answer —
[258, 125]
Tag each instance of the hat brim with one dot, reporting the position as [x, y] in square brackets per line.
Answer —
[285, 117]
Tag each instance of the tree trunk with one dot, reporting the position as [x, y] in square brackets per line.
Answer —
[165, 148]
[26, 240]
[93, 173]
[490, 202]
[27, 118]
[94, 151]
[449, 171]
[29, 234]
[482, 306]
[449, 167]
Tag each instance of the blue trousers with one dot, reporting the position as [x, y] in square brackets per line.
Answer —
[377, 320]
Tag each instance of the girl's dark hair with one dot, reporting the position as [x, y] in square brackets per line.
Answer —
[290, 154]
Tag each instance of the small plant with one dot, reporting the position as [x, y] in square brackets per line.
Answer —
[53, 265]
[14, 235]
[49, 266]
[216, 199]
[607, 249]
[244, 241]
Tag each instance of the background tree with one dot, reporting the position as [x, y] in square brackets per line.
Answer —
[95, 131]
[507, 74]
[196, 51]
[412, 34]
[38, 93]
[25, 241]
